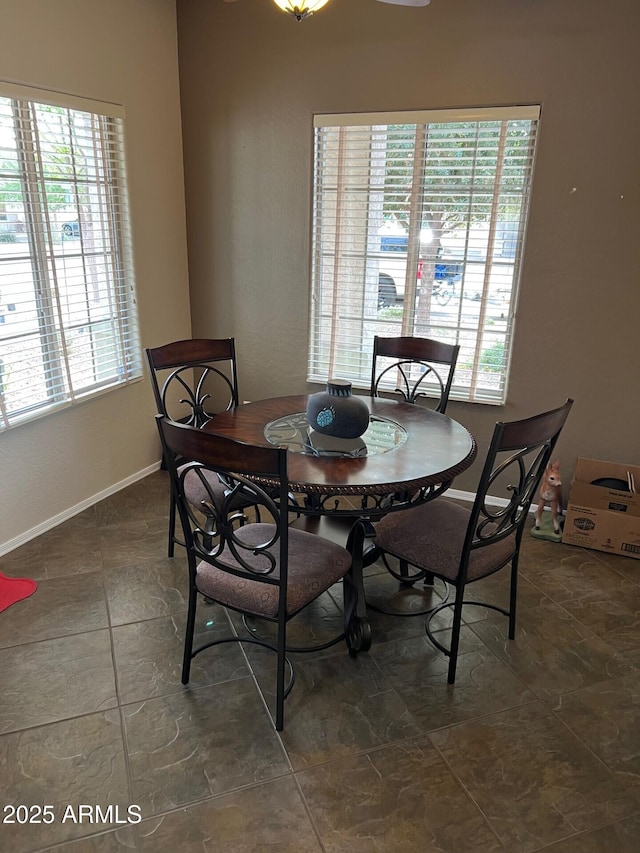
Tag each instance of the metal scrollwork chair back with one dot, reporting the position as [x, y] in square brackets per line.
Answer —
[256, 567]
[419, 368]
[461, 545]
[192, 380]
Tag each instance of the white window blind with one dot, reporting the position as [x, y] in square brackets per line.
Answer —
[418, 229]
[68, 326]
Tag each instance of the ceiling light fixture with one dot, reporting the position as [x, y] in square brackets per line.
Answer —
[300, 9]
[303, 8]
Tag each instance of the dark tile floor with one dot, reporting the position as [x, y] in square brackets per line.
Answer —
[536, 747]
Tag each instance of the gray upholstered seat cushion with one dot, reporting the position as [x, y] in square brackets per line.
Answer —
[314, 565]
[194, 490]
[431, 537]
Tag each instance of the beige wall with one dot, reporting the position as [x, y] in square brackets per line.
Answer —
[251, 80]
[123, 51]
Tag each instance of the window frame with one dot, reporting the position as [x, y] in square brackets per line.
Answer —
[347, 199]
[81, 350]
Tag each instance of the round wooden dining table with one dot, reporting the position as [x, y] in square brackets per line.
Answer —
[407, 450]
[408, 455]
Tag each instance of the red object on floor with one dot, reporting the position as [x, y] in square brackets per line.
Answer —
[14, 589]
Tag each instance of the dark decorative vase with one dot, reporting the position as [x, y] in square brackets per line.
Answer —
[336, 412]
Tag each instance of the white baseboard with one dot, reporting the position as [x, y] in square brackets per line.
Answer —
[50, 523]
[456, 494]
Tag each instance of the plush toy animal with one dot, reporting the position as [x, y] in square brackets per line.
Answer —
[550, 494]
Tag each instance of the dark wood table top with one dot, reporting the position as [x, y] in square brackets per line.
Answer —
[434, 450]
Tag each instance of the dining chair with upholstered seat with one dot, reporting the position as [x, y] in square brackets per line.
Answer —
[261, 568]
[192, 380]
[419, 370]
[461, 545]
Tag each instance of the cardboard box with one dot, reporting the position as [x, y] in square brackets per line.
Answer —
[600, 517]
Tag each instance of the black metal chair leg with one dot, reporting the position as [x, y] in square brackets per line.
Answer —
[455, 635]
[513, 598]
[188, 637]
[404, 571]
[172, 525]
[280, 685]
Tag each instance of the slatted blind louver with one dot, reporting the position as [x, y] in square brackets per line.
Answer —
[416, 197]
[68, 324]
